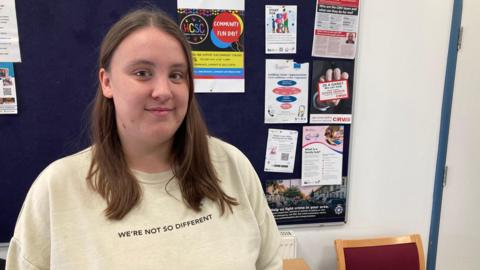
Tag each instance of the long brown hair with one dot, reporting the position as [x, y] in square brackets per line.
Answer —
[109, 173]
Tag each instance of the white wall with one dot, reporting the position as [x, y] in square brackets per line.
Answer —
[3, 251]
[400, 70]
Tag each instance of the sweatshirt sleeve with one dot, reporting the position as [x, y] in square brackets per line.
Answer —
[269, 257]
[29, 247]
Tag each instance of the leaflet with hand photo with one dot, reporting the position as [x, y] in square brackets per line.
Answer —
[331, 94]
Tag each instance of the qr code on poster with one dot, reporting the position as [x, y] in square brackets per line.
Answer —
[7, 91]
[284, 156]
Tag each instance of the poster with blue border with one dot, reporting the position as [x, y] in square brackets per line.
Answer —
[8, 93]
[216, 36]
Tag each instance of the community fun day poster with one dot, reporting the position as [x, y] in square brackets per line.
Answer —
[292, 203]
[215, 30]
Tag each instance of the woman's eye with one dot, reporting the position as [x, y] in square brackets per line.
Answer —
[177, 76]
[143, 74]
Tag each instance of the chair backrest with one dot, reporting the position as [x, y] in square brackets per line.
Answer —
[390, 253]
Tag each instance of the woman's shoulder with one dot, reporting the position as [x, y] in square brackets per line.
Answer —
[56, 181]
[229, 160]
[221, 150]
[72, 166]
[76, 160]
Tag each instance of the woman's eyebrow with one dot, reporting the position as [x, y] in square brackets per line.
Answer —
[151, 63]
[179, 65]
[140, 62]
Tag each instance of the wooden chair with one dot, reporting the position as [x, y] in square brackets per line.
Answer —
[391, 253]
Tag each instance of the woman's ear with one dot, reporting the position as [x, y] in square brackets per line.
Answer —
[104, 78]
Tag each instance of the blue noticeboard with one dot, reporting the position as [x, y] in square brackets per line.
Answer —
[59, 43]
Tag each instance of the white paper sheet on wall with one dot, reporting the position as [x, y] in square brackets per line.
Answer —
[335, 31]
[280, 29]
[281, 149]
[286, 91]
[9, 40]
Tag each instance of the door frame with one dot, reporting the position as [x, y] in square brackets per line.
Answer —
[443, 138]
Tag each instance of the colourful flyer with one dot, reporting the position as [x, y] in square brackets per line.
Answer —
[280, 29]
[322, 155]
[8, 94]
[216, 37]
[293, 203]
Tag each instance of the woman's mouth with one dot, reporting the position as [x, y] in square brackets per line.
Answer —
[159, 111]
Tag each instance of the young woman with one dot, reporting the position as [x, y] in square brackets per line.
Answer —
[154, 191]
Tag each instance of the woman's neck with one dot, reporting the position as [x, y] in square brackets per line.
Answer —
[149, 159]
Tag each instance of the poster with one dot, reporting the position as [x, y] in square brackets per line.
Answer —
[281, 149]
[292, 203]
[286, 91]
[331, 93]
[280, 29]
[8, 94]
[335, 30]
[9, 45]
[322, 155]
[215, 30]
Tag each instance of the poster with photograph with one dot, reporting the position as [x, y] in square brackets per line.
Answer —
[331, 93]
[8, 94]
[281, 149]
[335, 31]
[9, 47]
[280, 29]
[322, 155]
[216, 34]
[292, 203]
[286, 91]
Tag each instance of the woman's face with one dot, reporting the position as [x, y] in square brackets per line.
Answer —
[148, 82]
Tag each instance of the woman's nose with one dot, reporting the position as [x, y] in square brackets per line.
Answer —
[161, 89]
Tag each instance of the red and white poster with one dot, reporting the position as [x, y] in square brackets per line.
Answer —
[335, 31]
[331, 94]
